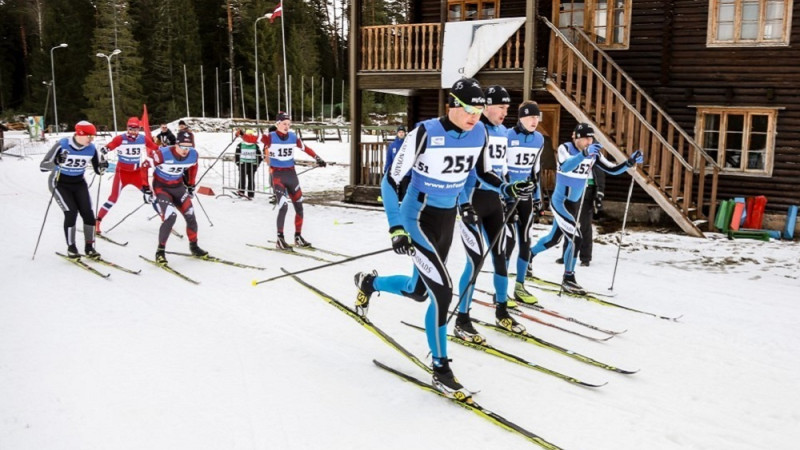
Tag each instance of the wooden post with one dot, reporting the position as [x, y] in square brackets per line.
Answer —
[530, 49]
[355, 93]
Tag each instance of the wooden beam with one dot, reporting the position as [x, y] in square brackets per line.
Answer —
[355, 92]
[529, 61]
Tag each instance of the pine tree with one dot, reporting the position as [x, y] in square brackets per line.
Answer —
[112, 31]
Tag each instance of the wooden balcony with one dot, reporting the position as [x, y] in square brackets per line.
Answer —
[416, 47]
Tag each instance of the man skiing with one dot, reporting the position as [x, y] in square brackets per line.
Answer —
[281, 144]
[173, 183]
[575, 161]
[523, 159]
[440, 153]
[248, 157]
[68, 160]
[132, 149]
[483, 216]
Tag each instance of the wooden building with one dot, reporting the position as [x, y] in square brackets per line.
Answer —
[708, 89]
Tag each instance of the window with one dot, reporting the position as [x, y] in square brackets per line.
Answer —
[749, 22]
[608, 22]
[458, 10]
[740, 140]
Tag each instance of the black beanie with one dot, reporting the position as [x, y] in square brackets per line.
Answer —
[468, 90]
[531, 109]
[497, 95]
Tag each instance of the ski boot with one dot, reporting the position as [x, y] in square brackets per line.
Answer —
[522, 295]
[91, 252]
[571, 286]
[364, 281]
[196, 250]
[281, 244]
[466, 331]
[503, 319]
[445, 382]
[161, 256]
[300, 242]
[72, 252]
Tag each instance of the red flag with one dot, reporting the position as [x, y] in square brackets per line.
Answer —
[146, 125]
[277, 12]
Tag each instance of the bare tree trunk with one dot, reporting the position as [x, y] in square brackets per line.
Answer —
[231, 56]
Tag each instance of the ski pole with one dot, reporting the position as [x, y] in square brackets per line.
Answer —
[204, 210]
[622, 232]
[97, 202]
[483, 257]
[322, 266]
[215, 162]
[52, 195]
[315, 167]
[126, 216]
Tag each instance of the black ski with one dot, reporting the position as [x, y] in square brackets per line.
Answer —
[108, 239]
[83, 265]
[218, 260]
[527, 337]
[473, 406]
[289, 251]
[115, 265]
[494, 351]
[365, 322]
[170, 270]
[557, 286]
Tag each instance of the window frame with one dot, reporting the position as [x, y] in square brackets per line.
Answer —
[478, 3]
[588, 26]
[748, 112]
[713, 26]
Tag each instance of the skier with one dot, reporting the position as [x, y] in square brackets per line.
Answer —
[173, 184]
[440, 153]
[281, 144]
[132, 149]
[248, 157]
[523, 159]
[482, 214]
[575, 161]
[68, 160]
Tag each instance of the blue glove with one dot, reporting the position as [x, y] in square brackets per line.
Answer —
[519, 189]
[636, 158]
[401, 241]
[592, 151]
[468, 214]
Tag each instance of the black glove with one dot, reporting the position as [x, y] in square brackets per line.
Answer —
[190, 190]
[102, 166]
[521, 189]
[537, 205]
[147, 194]
[598, 202]
[514, 218]
[320, 161]
[468, 214]
[61, 158]
[636, 158]
[401, 241]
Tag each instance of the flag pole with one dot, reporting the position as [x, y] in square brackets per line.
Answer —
[285, 78]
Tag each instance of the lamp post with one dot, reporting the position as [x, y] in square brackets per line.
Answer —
[53, 80]
[111, 82]
[255, 47]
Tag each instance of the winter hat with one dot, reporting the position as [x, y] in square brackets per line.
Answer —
[530, 109]
[468, 90]
[584, 130]
[401, 128]
[283, 116]
[250, 136]
[133, 122]
[181, 122]
[84, 128]
[497, 95]
[184, 138]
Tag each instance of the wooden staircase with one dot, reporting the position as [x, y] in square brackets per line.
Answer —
[588, 84]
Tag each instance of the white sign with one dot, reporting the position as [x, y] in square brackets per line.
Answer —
[470, 44]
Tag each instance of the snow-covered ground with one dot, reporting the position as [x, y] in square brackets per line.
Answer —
[151, 361]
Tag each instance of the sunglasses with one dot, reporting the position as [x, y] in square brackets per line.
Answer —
[469, 109]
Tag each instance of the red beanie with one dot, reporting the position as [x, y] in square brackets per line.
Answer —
[133, 122]
[84, 128]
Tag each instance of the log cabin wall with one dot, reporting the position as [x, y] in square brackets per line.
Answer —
[669, 58]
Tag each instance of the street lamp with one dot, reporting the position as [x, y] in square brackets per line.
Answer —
[49, 84]
[111, 82]
[255, 47]
[53, 80]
